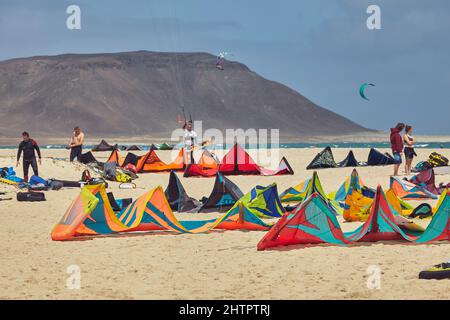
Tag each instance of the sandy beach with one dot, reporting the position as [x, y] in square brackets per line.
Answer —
[217, 265]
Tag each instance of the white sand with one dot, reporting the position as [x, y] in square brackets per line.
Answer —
[218, 265]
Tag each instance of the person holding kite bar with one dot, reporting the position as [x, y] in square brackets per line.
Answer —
[190, 140]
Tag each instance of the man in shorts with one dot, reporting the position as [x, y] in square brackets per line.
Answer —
[76, 144]
[397, 145]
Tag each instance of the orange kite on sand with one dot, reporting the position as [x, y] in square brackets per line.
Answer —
[91, 214]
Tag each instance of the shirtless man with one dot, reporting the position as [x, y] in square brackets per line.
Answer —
[76, 144]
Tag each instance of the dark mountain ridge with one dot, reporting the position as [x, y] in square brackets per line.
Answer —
[141, 93]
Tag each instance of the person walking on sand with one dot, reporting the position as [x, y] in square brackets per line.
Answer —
[409, 141]
[397, 145]
[28, 146]
[76, 144]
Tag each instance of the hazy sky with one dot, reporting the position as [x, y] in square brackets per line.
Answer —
[322, 48]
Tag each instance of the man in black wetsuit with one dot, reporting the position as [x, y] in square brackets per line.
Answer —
[28, 146]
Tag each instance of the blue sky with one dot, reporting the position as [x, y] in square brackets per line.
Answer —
[321, 48]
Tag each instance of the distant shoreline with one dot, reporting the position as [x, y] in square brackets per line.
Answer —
[283, 145]
[361, 138]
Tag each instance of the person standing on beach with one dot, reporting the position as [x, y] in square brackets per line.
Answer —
[76, 144]
[397, 145]
[409, 141]
[190, 140]
[28, 147]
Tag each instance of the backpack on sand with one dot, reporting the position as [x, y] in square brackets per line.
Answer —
[30, 196]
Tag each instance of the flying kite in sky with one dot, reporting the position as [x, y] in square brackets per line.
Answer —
[220, 60]
[363, 88]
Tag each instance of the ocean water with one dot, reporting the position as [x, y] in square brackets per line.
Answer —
[293, 145]
[363, 145]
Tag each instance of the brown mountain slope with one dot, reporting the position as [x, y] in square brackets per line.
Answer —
[136, 93]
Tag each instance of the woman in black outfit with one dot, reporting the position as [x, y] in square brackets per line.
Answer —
[409, 141]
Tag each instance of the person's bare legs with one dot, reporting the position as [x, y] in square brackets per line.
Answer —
[408, 165]
[396, 166]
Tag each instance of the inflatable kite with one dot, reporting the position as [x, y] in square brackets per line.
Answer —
[363, 88]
